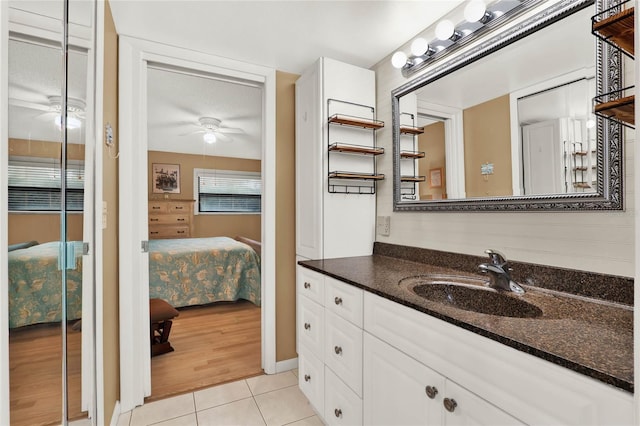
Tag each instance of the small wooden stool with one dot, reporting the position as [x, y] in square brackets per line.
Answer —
[161, 313]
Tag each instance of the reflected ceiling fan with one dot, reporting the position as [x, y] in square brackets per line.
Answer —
[75, 110]
[212, 130]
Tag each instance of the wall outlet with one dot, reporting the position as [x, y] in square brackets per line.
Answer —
[384, 225]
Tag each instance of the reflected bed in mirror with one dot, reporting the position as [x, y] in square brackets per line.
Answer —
[513, 130]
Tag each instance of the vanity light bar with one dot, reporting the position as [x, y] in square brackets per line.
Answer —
[478, 18]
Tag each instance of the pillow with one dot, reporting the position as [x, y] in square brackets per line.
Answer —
[19, 246]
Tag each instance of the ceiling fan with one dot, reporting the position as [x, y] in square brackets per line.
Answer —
[212, 130]
[75, 110]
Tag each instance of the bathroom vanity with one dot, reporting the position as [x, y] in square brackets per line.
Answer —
[372, 352]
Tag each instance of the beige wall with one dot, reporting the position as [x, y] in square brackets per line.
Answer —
[431, 142]
[231, 225]
[591, 241]
[43, 227]
[285, 217]
[487, 139]
[111, 352]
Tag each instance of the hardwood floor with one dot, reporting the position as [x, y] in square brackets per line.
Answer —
[35, 382]
[213, 344]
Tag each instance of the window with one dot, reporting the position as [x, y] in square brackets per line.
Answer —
[34, 185]
[223, 191]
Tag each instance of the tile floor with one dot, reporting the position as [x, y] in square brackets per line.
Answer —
[272, 400]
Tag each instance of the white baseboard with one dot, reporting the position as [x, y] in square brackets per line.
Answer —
[116, 414]
[286, 365]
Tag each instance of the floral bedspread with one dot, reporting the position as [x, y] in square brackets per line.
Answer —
[35, 286]
[196, 271]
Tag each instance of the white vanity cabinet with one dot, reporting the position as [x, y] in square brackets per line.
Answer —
[491, 383]
[329, 339]
[401, 391]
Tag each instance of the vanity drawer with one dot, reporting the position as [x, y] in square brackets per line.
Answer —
[344, 300]
[311, 379]
[310, 326]
[343, 351]
[341, 405]
[310, 283]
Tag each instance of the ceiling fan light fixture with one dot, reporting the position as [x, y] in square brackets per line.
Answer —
[209, 137]
[73, 122]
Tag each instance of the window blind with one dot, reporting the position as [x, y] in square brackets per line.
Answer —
[36, 187]
[232, 192]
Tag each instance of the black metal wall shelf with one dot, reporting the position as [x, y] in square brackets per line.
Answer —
[361, 180]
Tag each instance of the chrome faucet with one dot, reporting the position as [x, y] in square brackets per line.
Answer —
[498, 270]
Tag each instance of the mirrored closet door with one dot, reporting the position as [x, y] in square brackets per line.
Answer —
[50, 161]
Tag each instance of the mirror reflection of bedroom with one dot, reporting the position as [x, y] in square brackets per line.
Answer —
[41, 313]
[204, 187]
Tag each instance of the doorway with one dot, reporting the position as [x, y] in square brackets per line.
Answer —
[135, 57]
[204, 156]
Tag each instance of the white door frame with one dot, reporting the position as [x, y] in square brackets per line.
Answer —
[134, 55]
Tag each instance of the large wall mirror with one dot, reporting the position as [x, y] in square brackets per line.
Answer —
[509, 125]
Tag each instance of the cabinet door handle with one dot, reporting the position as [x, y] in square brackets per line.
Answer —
[180, 232]
[337, 412]
[307, 378]
[179, 207]
[450, 404]
[153, 232]
[307, 285]
[180, 219]
[155, 207]
[307, 326]
[153, 219]
[338, 350]
[338, 300]
[431, 391]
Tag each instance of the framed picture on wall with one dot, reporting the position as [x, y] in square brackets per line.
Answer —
[435, 178]
[166, 178]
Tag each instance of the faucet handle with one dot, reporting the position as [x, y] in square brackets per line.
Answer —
[496, 257]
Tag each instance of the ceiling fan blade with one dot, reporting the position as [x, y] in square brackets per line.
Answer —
[29, 105]
[230, 130]
[191, 133]
[223, 138]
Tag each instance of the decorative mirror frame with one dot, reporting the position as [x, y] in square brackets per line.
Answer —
[610, 141]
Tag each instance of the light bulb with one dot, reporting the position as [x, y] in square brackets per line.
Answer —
[474, 11]
[72, 122]
[419, 46]
[399, 59]
[209, 137]
[444, 29]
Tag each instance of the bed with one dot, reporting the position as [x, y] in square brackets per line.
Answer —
[198, 271]
[35, 285]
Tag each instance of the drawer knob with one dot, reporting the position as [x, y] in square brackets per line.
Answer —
[338, 300]
[153, 219]
[307, 326]
[155, 207]
[431, 391]
[338, 350]
[153, 232]
[180, 219]
[450, 404]
[307, 378]
[180, 232]
[307, 285]
[337, 412]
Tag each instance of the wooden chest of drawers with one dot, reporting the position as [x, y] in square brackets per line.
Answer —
[170, 219]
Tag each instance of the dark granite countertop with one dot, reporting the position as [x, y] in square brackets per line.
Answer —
[593, 337]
